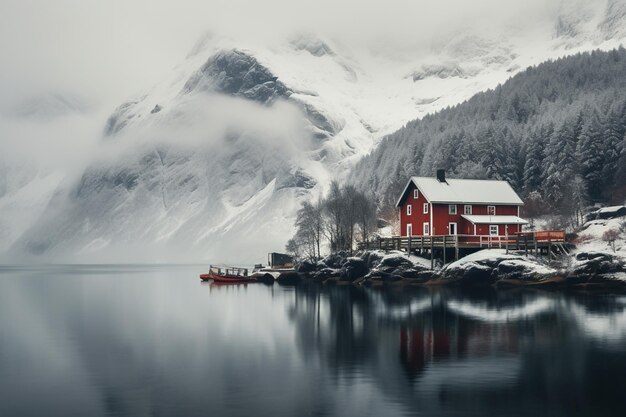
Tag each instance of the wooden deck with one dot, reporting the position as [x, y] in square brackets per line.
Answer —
[548, 241]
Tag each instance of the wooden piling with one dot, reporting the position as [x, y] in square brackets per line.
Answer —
[526, 246]
[550, 249]
[432, 259]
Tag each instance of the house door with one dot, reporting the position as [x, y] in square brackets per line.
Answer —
[409, 229]
[452, 228]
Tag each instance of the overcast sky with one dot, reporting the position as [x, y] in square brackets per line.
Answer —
[106, 50]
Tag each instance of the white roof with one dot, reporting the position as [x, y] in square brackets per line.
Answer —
[460, 191]
[486, 219]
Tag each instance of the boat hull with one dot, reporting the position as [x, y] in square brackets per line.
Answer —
[226, 278]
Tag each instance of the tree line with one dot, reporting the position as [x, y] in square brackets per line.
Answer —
[344, 217]
[555, 132]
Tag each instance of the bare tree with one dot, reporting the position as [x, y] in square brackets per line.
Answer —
[343, 217]
[351, 199]
[334, 211]
[292, 247]
[310, 226]
[610, 236]
[365, 216]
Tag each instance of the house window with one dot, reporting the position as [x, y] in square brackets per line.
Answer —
[467, 209]
[409, 209]
[425, 208]
[409, 229]
[491, 210]
[426, 229]
[451, 208]
[416, 194]
[493, 229]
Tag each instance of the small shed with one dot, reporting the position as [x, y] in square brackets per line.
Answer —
[279, 260]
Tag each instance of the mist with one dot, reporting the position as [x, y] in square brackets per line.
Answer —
[106, 51]
[204, 133]
[68, 65]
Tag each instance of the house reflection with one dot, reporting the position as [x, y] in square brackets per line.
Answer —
[421, 345]
[351, 325]
[456, 350]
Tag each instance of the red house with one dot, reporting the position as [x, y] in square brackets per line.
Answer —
[471, 209]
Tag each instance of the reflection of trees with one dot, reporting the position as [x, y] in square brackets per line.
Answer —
[441, 349]
[345, 325]
[334, 321]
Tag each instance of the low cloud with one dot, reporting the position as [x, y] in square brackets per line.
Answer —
[211, 122]
[109, 50]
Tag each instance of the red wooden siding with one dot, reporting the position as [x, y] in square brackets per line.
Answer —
[500, 210]
[441, 219]
[417, 218]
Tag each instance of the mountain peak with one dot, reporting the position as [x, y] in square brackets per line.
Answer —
[237, 73]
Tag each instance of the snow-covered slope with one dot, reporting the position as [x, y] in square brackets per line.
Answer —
[591, 237]
[213, 162]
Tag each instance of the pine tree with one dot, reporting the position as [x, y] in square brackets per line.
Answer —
[560, 165]
[618, 191]
[533, 168]
[513, 161]
[494, 154]
[611, 149]
[488, 136]
[589, 155]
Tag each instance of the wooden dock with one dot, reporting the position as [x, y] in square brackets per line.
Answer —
[548, 242]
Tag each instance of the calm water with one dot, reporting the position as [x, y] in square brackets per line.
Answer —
[154, 341]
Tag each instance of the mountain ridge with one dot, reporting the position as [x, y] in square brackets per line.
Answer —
[240, 134]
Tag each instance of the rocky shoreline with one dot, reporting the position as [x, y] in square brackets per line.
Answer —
[587, 271]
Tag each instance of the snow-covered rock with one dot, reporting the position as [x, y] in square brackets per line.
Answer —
[488, 266]
[485, 268]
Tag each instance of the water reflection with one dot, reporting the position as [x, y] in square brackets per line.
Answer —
[135, 341]
[443, 351]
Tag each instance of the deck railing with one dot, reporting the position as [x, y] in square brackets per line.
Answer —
[544, 235]
[451, 241]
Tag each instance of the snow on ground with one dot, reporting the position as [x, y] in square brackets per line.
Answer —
[483, 255]
[386, 231]
[417, 260]
[530, 264]
[620, 276]
[590, 237]
[420, 261]
[539, 223]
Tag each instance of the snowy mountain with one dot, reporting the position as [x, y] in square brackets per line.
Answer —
[213, 162]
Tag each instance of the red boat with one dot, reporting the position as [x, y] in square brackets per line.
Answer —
[227, 274]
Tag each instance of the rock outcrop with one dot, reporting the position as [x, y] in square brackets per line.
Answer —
[586, 271]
